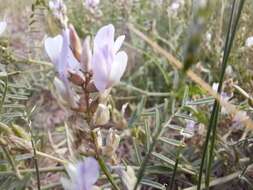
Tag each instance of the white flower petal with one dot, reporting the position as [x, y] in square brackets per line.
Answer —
[215, 86]
[67, 61]
[100, 73]
[249, 41]
[118, 43]
[118, 67]
[105, 36]
[53, 48]
[3, 25]
[51, 5]
[92, 171]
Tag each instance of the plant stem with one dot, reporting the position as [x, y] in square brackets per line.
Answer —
[211, 132]
[35, 158]
[12, 162]
[51, 157]
[175, 166]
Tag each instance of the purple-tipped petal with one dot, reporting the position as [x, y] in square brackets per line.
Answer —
[53, 48]
[118, 43]
[105, 36]
[118, 67]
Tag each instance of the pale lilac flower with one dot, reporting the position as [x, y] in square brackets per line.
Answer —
[249, 41]
[189, 129]
[83, 175]
[174, 6]
[92, 4]
[215, 86]
[59, 9]
[208, 36]
[239, 118]
[224, 96]
[108, 63]
[3, 25]
[58, 50]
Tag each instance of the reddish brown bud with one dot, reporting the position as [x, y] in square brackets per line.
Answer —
[94, 105]
[86, 55]
[76, 79]
[75, 43]
[91, 87]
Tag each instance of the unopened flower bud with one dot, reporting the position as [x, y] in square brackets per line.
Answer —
[91, 87]
[75, 43]
[94, 105]
[86, 55]
[102, 115]
[112, 143]
[76, 79]
[98, 138]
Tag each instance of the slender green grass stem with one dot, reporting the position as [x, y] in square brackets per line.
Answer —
[35, 158]
[4, 93]
[211, 148]
[12, 162]
[224, 65]
[107, 173]
[203, 159]
[211, 132]
[178, 156]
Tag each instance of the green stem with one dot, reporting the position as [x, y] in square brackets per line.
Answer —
[4, 93]
[12, 162]
[35, 158]
[211, 132]
[179, 150]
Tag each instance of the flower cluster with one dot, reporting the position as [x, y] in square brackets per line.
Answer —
[94, 69]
